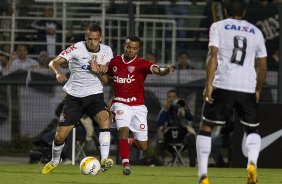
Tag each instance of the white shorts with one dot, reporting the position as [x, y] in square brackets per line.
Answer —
[133, 117]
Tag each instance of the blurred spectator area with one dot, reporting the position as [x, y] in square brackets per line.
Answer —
[29, 97]
[152, 24]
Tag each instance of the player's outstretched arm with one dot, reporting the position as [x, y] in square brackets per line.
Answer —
[54, 66]
[162, 71]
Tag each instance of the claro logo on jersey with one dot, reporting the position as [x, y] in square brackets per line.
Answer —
[129, 79]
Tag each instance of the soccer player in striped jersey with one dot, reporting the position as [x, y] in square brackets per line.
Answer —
[235, 73]
[84, 93]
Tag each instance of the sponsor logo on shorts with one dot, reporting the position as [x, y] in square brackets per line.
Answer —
[120, 112]
[142, 126]
[132, 99]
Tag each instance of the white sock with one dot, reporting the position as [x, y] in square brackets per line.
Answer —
[203, 145]
[105, 140]
[253, 142]
[56, 153]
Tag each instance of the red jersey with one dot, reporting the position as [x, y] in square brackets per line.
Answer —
[128, 79]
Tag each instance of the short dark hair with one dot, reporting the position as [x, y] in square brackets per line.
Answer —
[93, 27]
[134, 39]
[235, 7]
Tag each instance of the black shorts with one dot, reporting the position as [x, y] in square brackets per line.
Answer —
[75, 107]
[225, 101]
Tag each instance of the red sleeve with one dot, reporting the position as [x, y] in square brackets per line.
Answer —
[148, 65]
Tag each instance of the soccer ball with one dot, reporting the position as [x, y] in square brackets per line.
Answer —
[90, 166]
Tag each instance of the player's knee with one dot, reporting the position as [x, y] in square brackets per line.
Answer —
[206, 127]
[104, 120]
[59, 140]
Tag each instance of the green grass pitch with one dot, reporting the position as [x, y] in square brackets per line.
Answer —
[68, 174]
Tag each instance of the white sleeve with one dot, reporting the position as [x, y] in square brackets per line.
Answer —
[69, 52]
[109, 55]
[261, 49]
[214, 36]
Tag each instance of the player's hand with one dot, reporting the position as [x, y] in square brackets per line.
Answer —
[207, 94]
[94, 66]
[102, 69]
[61, 78]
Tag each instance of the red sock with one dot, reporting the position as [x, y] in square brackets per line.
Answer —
[132, 142]
[124, 151]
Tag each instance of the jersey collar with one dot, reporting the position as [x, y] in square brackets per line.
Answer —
[123, 59]
[90, 51]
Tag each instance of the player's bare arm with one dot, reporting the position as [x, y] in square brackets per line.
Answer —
[210, 73]
[54, 65]
[105, 79]
[261, 68]
[162, 71]
[102, 69]
[95, 68]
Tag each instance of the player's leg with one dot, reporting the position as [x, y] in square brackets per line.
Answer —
[124, 149]
[69, 117]
[102, 118]
[248, 111]
[203, 147]
[123, 118]
[253, 142]
[97, 108]
[139, 128]
[57, 147]
[213, 114]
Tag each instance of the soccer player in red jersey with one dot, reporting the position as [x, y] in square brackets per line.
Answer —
[127, 73]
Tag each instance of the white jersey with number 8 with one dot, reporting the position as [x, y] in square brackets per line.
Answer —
[239, 43]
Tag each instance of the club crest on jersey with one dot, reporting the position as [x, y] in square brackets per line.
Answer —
[102, 59]
[131, 69]
[114, 69]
